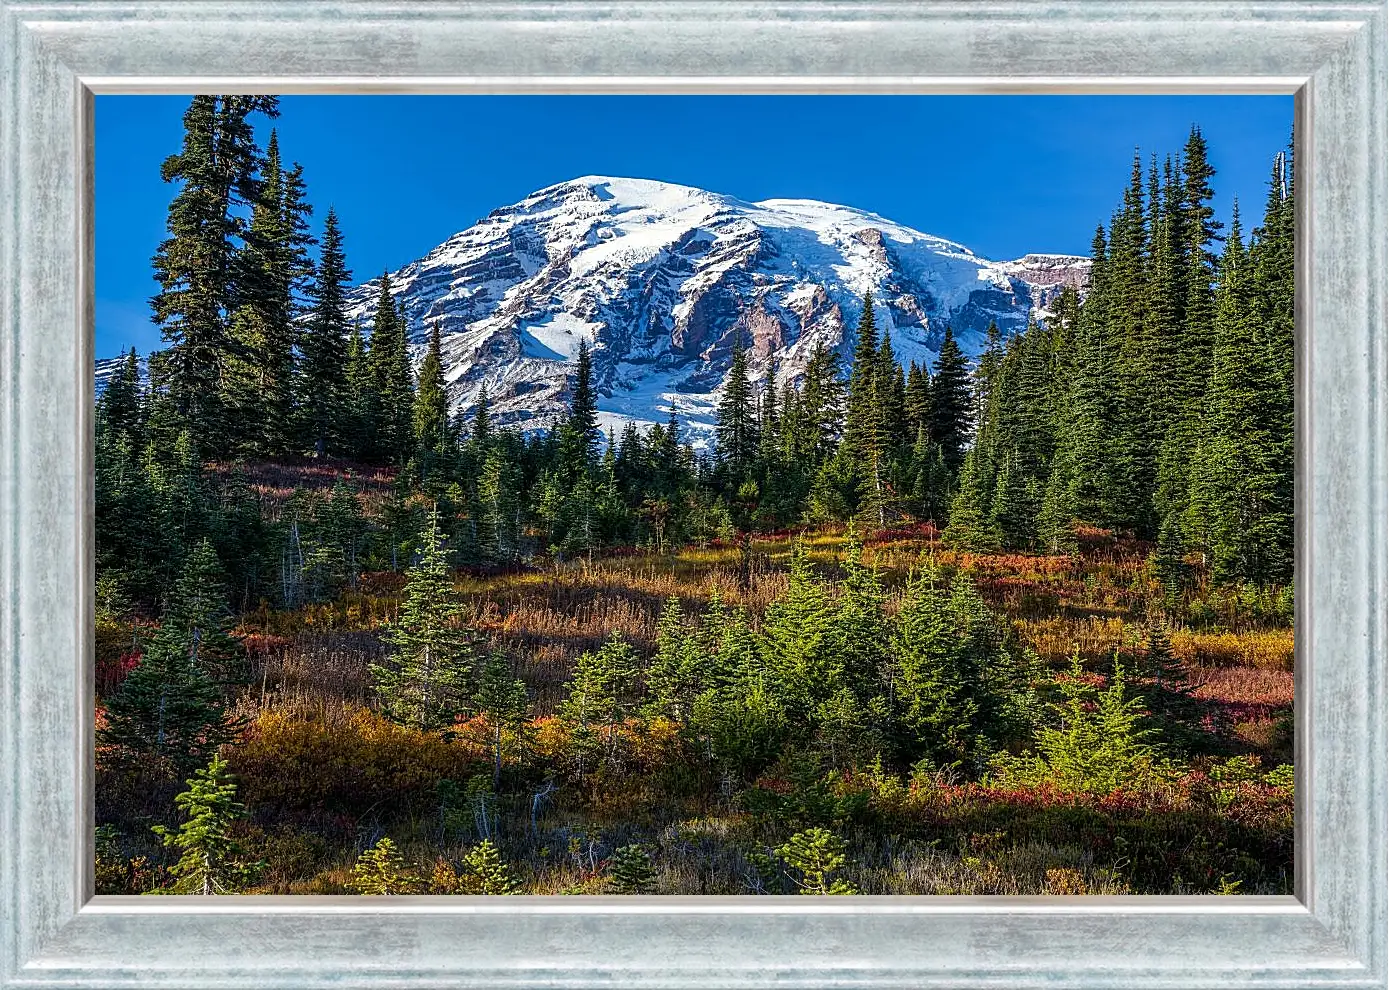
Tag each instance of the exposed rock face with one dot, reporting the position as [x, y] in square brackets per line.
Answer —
[662, 280]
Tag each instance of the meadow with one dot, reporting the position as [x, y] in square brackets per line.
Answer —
[543, 804]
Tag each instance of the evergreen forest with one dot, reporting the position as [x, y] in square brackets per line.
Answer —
[1012, 624]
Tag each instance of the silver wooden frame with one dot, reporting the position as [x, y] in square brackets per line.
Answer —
[57, 53]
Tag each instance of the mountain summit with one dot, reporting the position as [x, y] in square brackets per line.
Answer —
[663, 279]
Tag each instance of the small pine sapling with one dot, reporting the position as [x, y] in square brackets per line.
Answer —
[485, 872]
[816, 854]
[211, 861]
[631, 870]
[381, 870]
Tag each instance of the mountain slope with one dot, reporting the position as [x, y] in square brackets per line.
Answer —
[661, 279]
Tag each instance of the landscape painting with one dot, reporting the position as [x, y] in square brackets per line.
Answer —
[761, 496]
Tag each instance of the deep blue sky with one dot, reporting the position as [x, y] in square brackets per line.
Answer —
[1004, 175]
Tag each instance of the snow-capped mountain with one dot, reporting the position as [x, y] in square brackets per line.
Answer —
[661, 280]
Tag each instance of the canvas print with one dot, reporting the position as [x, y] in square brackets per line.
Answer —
[694, 495]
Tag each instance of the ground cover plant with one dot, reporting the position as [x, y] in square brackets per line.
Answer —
[1021, 625]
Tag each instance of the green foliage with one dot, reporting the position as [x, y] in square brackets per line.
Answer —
[679, 671]
[798, 640]
[600, 695]
[737, 421]
[631, 871]
[938, 682]
[950, 415]
[484, 871]
[196, 265]
[502, 699]
[428, 681]
[171, 706]
[211, 860]
[322, 399]
[432, 432]
[743, 726]
[817, 854]
[1099, 746]
[971, 524]
[390, 392]
[381, 871]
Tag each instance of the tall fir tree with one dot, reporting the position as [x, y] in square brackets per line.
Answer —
[579, 435]
[171, 707]
[391, 401]
[120, 410]
[257, 380]
[951, 412]
[217, 170]
[212, 860]
[433, 435]
[323, 401]
[737, 419]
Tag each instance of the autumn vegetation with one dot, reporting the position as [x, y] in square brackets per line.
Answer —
[1016, 625]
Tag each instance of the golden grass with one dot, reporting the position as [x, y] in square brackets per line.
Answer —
[1268, 649]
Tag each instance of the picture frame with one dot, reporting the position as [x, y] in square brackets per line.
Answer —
[58, 55]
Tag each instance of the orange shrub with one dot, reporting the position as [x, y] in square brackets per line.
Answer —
[645, 744]
[345, 765]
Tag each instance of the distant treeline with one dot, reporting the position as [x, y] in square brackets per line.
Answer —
[1160, 406]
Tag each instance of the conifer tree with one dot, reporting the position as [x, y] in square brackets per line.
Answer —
[891, 396]
[631, 871]
[359, 404]
[170, 707]
[935, 680]
[295, 211]
[194, 264]
[737, 422]
[502, 699]
[917, 403]
[951, 414]
[391, 400]
[930, 479]
[798, 640]
[822, 407]
[769, 426]
[257, 383]
[1013, 511]
[486, 873]
[816, 855]
[1201, 230]
[382, 871]
[481, 433]
[600, 695]
[428, 679]
[865, 440]
[860, 632]
[498, 515]
[120, 408]
[678, 672]
[1272, 287]
[1057, 515]
[986, 371]
[431, 413]
[971, 524]
[579, 438]
[211, 861]
[325, 382]
[1099, 744]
